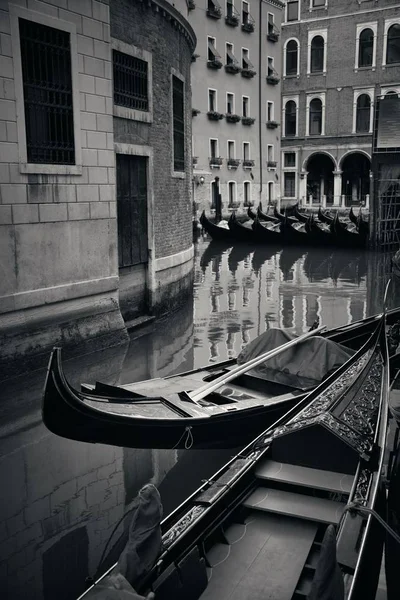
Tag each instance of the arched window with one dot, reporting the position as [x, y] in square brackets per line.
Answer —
[290, 118]
[315, 117]
[363, 113]
[393, 45]
[317, 54]
[366, 48]
[292, 57]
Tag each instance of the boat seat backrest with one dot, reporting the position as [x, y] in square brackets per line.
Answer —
[187, 579]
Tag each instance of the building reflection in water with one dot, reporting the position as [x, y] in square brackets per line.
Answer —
[263, 287]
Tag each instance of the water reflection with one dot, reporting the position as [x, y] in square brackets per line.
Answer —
[60, 500]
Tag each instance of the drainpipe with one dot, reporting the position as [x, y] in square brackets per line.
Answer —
[259, 99]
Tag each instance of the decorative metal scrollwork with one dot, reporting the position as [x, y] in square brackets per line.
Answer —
[172, 534]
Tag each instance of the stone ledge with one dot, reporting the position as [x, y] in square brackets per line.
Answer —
[139, 323]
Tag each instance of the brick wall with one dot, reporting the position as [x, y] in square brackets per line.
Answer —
[149, 29]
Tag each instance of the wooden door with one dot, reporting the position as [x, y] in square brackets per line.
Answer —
[132, 209]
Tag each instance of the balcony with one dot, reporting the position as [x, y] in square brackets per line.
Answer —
[248, 120]
[215, 162]
[195, 57]
[272, 78]
[233, 163]
[232, 118]
[195, 160]
[215, 63]
[273, 34]
[271, 164]
[232, 67]
[248, 164]
[233, 17]
[195, 112]
[214, 115]
[214, 11]
[249, 25]
[191, 4]
[272, 124]
[248, 72]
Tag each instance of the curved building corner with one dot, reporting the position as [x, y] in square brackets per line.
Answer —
[95, 181]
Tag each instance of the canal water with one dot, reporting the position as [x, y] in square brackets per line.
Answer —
[61, 500]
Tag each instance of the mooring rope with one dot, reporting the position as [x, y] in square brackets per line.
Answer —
[356, 507]
[189, 438]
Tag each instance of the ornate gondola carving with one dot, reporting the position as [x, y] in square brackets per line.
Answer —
[172, 534]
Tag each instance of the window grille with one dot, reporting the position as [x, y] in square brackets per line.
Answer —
[179, 123]
[130, 81]
[366, 46]
[393, 45]
[290, 118]
[291, 57]
[363, 115]
[47, 84]
[317, 54]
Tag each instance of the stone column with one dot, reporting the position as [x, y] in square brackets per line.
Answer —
[303, 187]
[337, 188]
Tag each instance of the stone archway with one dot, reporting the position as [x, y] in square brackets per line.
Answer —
[355, 169]
[320, 179]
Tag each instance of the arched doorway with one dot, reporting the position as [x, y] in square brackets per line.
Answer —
[320, 168]
[355, 169]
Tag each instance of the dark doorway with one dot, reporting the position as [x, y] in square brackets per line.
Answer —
[320, 169]
[132, 209]
[355, 178]
[132, 234]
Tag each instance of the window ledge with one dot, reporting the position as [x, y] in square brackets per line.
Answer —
[134, 115]
[370, 68]
[40, 169]
[178, 175]
[316, 74]
[391, 65]
[292, 76]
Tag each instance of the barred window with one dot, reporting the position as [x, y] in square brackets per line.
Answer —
[130, 81]
[47, 84]
[179, 123]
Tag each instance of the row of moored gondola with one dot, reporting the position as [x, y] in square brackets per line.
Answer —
[296, 228]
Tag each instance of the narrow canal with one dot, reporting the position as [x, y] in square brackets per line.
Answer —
[60, 500]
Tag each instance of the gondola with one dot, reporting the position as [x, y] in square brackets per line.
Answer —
[346, 237]
[216, 231]
[295, 233]
[282, 216]
[303, 218]
[251, 214]
[159, 413]
[324, 217]
[362, 225]
[264, 217]
[352, 216]
[242, 232]
[267, 232]
[285, 518]
[320, 233]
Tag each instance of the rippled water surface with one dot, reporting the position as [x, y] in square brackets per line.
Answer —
[60, 500]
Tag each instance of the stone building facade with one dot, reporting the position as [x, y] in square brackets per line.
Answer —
[236, 81]
[338, 57]
[81, 146]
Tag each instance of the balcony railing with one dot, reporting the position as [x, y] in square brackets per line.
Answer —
[214, 115]
[214, 11]
[248, 120]
[271, 164]
[233, 163]
[195, 57]
[273, 77]
[233, 17]
[272, 124]
[248, 72]
[215, 161]
[233, 67]
[232, 118]
[247, 163]
[249, 24]
[195, 160]
[273, 33]
[191, 4]
[214, 63]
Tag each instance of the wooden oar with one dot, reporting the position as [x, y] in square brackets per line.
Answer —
[239, 370]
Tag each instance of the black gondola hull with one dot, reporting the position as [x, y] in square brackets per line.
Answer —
[217, 233]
